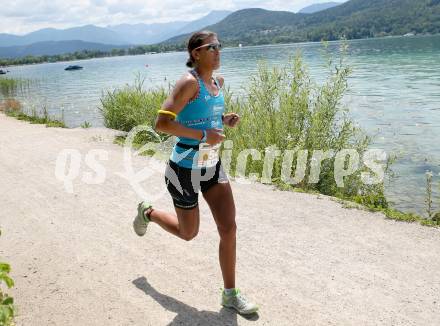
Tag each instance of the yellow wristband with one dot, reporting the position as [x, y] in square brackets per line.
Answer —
[168, 112]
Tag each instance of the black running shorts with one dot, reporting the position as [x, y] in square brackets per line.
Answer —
[184, 184]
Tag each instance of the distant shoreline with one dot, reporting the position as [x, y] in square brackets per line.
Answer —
[158, 48]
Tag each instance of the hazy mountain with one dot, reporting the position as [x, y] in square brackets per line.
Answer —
[9, 39]
[50, 41]
[122, 34]
[212, 18]
[52, 48]
[147, 33]
[154, 33]
[88, 33]
[318, 7]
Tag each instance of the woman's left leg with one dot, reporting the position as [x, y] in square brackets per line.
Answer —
[221, 202]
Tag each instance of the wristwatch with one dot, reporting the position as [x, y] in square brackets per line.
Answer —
[204, 136]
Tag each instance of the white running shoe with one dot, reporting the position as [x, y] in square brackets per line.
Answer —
[239, 302]
[140, 222]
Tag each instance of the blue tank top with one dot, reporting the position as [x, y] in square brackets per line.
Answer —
[203, 112]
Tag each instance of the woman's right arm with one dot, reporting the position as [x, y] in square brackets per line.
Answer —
[185, 89]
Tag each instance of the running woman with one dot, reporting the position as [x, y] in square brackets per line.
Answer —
[194, 112]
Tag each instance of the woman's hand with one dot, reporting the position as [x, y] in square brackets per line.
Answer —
[214, 136]
[231, 119]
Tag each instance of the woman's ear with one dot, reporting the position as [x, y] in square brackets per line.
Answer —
[195, 55]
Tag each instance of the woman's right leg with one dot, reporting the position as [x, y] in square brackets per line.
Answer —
[184, 224]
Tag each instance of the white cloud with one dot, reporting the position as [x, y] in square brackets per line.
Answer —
[23, 16]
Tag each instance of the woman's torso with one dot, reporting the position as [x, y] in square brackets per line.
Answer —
[203, 112]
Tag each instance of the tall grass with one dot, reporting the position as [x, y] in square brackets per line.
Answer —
[9, 87]
[131, 106]
[430, 212]
[436, 217]
[428, 199]
[285, 108]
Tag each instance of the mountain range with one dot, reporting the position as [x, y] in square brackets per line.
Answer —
[352, 19]
[128, 34]
[117, 35]
[87, 33]
[154, 33]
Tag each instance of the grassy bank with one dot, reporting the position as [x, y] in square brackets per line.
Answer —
[9, 88]
[126, 108]
[13, 108]
[286, 110]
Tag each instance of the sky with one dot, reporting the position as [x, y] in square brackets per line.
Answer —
[24, 16]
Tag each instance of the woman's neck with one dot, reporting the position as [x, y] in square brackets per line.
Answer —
[205, 75]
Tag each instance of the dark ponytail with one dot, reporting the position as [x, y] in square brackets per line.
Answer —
[195, 41]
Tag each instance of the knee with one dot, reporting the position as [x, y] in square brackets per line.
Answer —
[227, 230]
[188, 236]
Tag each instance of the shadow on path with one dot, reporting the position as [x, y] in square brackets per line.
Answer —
[187, 315]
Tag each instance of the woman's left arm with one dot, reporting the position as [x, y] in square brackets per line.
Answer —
[229, 119]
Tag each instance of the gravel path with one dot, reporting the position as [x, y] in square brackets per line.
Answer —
[304, 258]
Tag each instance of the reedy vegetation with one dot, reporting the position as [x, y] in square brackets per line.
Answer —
[126, 108]
[9, 88]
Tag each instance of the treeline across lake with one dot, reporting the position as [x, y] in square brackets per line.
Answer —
[89, 54]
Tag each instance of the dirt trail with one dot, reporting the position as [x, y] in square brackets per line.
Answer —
[305, 259]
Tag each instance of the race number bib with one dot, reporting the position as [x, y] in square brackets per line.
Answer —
[208, 155]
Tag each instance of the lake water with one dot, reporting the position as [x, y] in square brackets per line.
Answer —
[394, 94]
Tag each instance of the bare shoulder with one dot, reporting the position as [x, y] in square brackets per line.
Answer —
[221, 80]
[184, 90]
[187, 83]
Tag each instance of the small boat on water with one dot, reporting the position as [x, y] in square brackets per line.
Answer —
[75, 67]
[3, 72]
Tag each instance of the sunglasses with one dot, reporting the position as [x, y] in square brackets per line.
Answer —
[210, 47]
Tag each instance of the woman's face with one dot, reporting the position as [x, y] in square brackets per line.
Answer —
[206, 56]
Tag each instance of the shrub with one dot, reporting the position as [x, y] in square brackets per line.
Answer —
[284, 108]
[7, 309]
[131, 106]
